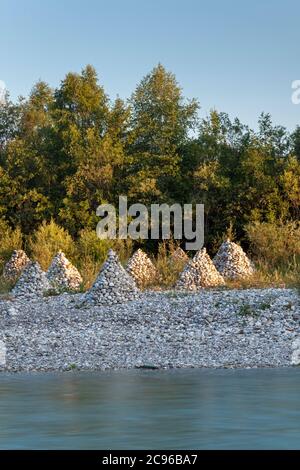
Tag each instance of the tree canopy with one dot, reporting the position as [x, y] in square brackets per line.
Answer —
[65, 151]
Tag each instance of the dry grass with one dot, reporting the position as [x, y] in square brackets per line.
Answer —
[89, 270]
[276, 246]
[276, 250]
[287, 276]
[168, 269]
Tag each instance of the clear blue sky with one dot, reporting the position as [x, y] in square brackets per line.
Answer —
[235, 56]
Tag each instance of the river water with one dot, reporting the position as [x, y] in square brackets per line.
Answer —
[178, 409]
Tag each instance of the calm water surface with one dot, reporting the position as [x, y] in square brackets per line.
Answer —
[200, 409]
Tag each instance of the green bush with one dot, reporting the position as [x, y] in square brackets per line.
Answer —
[277, 246]
[90, 254]
[10, 240]
[47, 240]
[89, 245]
[123, 248]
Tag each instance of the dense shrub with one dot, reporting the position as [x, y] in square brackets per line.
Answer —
[47, 240]
[90, 254]
[276, 245]
[10, 240]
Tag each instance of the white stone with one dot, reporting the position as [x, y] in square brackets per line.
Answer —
[141, 268]
[232, 262]
[2, 353]
[14, 267]
[33, 281]
[123, 286]
[198, 273]
[62, 275]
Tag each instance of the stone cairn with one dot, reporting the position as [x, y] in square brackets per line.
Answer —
[62, 275]
[113, 285]
[141, 268]
[32, 282]
[232, 262]
[198, 273]
[14, 267]
[179, 256]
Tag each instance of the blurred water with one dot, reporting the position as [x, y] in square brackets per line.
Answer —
[200, 409]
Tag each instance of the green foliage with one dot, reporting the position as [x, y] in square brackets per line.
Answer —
[89, 245]
[275, 244]
[247, 310]
[10, 240]
[90, 254]
[92, 184]
[160, 123]
[47, 240]
[65, 151]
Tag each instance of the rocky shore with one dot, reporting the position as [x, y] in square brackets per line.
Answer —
[213, 328]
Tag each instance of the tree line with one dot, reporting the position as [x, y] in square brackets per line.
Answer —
[64, 151]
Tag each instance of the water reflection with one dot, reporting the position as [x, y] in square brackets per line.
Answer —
[202, 409]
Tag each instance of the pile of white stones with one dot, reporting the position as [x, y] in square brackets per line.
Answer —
[113, 285]
[141, 268]
[232, 262]
[14, 267]
[62, 275]
[32, 282]
[179, 255]
[198, 273]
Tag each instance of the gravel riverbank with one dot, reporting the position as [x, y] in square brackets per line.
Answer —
[212, 328]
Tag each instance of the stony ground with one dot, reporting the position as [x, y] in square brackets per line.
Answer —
[212, 328]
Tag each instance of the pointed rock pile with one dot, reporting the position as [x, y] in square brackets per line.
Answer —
[141, 268]
[32, 282]
[179, 255]
[14, 267]
[62, 275]
[232, 262]
[199, 272]
[113, 284]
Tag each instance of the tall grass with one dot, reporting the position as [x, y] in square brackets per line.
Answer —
[275, 249]
[168, 268]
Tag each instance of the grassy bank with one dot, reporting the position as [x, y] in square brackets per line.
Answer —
[274, 249]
